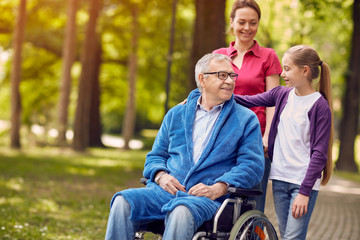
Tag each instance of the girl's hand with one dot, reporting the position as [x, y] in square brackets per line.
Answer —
[183, 102]
[300, 206]
[265, 145]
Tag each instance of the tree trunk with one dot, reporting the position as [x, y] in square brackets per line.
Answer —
[95, 129]
[171, 47]
[69, 50]
[209, 32]
[129, 120]
[16, 77]
[350, 120]
[88, 60]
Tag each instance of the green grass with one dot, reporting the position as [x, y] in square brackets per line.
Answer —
[49, 193]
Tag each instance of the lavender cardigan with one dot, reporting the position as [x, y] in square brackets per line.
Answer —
[320, 128]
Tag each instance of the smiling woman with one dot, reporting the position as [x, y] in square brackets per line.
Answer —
[258, 69]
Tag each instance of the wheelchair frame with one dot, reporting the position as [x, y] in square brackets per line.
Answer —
[246, 225]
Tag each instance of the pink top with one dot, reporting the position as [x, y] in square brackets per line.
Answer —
[258, 63]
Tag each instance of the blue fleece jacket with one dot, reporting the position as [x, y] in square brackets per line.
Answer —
[234, 155]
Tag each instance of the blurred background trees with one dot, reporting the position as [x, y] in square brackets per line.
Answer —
[68, 58]
[87, 68]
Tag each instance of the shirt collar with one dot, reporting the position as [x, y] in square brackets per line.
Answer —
[198, 105]
[255, 49]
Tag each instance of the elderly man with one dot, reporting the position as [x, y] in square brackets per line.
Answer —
[202, 148]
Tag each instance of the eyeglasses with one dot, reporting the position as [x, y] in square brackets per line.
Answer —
[224, 75]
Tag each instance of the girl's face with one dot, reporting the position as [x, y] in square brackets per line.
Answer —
[292, 74]
[245, 24]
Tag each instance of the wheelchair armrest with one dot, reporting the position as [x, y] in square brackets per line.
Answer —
[242, 192]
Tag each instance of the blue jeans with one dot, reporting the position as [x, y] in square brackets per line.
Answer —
[179, 223]
[284, 194]
[260, 200]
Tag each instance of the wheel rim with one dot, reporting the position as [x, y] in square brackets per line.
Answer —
[253, 225]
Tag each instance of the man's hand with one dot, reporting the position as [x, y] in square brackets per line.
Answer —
[213, 192]
[300, 206]
[170, 184]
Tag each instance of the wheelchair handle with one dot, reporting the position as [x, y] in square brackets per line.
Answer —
[143, 181]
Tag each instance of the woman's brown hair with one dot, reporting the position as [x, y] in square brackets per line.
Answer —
[303, 55]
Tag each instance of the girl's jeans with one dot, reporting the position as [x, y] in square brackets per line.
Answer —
[284, 194]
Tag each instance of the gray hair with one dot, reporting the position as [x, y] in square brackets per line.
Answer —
[203, 65]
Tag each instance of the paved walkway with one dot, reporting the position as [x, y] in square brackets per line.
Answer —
[337, 211]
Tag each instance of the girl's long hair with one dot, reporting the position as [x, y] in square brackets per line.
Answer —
[303, 55]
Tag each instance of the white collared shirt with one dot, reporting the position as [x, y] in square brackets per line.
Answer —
[204, 124]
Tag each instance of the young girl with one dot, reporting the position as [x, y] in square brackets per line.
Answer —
[300, 138]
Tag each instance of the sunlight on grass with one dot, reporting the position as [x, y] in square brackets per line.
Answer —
[11, 200]
[81, 171]
[15, 184]
[44, 205]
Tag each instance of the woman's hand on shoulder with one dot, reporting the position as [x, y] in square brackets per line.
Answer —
[183, 102]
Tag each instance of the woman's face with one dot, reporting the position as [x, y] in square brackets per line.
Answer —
[245, 24]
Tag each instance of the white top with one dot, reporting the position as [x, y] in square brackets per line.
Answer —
[292, 143]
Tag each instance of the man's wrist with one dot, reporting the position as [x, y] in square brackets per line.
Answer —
[158, 175]
[222, 188]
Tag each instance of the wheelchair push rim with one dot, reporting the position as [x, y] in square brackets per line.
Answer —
[253, 225]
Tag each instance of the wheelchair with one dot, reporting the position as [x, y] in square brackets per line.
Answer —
[236, 219]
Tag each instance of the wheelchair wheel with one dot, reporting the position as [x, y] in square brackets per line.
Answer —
[253, 225]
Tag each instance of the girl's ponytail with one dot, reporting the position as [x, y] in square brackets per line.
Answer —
[324, 87]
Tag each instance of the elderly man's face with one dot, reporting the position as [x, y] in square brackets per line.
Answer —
[216, 90]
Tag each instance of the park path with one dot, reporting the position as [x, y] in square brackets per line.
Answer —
[337, 211]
